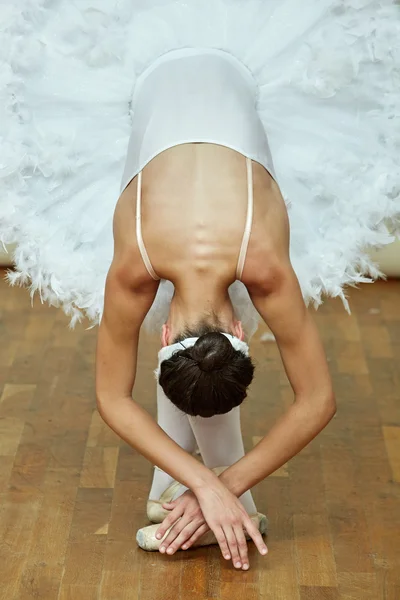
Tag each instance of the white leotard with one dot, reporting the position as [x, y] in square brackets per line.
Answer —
[195, 95]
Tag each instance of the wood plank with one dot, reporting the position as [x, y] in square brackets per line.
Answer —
[92, 512]
[29, 467]
[84, 564]
[167, 583]
[119, 585]
[11, 430]
[391, 436]
[351, 359]
[237, 584]
[128, 511]
[99, 467]
[8, 351]
[121, 571]
[376, 341]
[6, 465]
[319, 593]
[40, 581]
[358, 585]
[315, 560]
[100, 434]
[28, 362]
[278, 579]
[194, 574]
[16, 534]
[213, 572]
[347, 520]
[50, 532]
[75, 592]
[16, 399]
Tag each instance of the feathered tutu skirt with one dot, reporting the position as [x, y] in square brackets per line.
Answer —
[328, 73]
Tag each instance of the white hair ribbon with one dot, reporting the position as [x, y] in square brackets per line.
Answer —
[167, 351]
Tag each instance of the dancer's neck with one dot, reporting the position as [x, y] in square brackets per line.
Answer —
[191, 307]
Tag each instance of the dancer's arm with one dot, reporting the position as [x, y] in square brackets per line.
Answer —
[125, 307]
[282, 307]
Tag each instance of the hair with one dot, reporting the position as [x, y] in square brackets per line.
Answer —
[209, 378]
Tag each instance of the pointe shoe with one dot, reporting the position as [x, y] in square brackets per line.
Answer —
[146, 537]
[155, 511]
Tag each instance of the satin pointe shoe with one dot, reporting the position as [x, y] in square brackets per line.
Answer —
[155, 511]
[146, 537]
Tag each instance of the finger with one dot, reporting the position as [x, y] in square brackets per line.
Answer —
[197, 534]
[173, 534]
[222, 541]
[256, 536]
[183, 536]
[173, 502]
[173, 516]
[242, 546]
[169, 505]
[233, 546]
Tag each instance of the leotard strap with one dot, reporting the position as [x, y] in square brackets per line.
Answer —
[139, 237]
[249, 221]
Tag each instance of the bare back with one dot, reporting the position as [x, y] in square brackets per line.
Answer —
[194, 205]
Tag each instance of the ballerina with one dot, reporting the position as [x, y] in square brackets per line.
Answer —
[197, 197]
[243, 118]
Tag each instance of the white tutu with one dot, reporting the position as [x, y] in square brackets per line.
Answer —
[329, 79]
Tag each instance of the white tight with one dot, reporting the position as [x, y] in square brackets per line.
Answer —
[219, 439]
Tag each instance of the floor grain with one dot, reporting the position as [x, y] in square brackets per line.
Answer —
[73, 495]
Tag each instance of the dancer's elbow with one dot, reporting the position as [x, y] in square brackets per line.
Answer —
[325, 407]
[329, 406]
[104, 405]
[320, 407]
[114, 408]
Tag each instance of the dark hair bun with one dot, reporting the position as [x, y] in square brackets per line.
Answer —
[208, 378]
[212, 351]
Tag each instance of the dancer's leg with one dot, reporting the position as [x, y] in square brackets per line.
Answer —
[175, 423]
[219, 439]
[221, 444]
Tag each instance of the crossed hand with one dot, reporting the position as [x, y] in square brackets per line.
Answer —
[213, 508]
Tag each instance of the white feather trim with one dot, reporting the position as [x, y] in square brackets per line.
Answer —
[328, 73]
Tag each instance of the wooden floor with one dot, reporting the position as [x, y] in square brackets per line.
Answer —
[73, 495]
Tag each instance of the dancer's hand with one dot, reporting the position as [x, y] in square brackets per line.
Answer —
[189, 521]
[217, 509]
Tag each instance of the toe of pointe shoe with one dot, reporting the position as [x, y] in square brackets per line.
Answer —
[262, 523]
[146, 538]
[155, 512]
